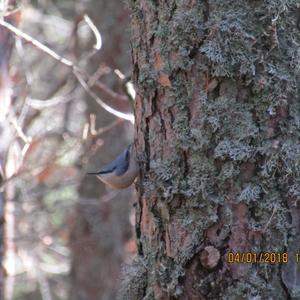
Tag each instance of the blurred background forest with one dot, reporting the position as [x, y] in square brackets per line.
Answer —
[66, 234]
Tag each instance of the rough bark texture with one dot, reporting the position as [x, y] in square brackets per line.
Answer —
[218, 122]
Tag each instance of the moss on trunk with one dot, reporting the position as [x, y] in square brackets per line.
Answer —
[218, 131]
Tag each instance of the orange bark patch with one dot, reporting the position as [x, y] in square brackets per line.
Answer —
[158, 62]
[147, 225]
[164, 80]
[177, 240]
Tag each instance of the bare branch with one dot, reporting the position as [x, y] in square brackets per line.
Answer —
[36, 43]
[94, 29]
[20, 132]
[129, 117]
[41, 104]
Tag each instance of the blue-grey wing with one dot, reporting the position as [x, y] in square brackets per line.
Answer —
[123, 163]
[119, 165]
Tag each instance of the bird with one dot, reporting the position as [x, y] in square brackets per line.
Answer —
[121, 172]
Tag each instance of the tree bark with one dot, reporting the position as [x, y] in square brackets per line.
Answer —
[217, 128]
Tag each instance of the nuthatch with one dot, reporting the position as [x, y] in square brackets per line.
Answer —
[121, 172]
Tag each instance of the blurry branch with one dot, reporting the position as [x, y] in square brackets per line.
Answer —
[129, 117]
[102, 70]
[97, 46]
[43, 283]
[65, 88]
[127, 86]
[41, 104]
[38, 169]
[27, 72]
[20, 132]
[89, 132]
[102, 130]
[5, 181]
[83, 77]
[94, 29]
[36, 43]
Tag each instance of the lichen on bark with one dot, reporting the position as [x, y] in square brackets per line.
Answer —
[217, 124]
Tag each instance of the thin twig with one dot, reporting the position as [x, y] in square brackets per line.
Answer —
[94, 29]
[102, 70]
[93, 130]
[85, 131]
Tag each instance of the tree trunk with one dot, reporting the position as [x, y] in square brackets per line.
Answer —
[8, 158]
[218, 131]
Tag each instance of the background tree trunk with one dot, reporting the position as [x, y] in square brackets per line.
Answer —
[9, 159]
[217, 119]
[102, 226]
